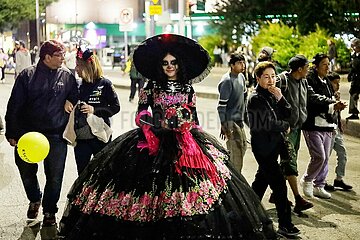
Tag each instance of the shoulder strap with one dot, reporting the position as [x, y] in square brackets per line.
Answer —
[282, 80]
[268, 104]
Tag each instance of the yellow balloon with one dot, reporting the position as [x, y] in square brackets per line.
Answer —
[33, 147]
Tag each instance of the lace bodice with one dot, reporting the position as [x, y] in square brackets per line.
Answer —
[174, 104]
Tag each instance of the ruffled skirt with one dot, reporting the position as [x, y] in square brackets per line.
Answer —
[187, 190]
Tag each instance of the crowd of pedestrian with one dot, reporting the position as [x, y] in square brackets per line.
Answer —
[168, 155]
[282, 105]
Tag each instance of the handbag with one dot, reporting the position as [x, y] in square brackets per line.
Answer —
[287, 150]
[82, 128]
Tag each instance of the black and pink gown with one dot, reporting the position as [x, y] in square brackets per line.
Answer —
[167, 179]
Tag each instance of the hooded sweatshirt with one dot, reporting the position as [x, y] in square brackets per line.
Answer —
[23, 60]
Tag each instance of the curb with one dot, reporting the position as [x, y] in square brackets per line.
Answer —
[351, 127]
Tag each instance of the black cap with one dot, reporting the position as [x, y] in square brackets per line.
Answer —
[297, 61]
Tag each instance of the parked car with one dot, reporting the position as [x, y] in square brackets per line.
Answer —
[119, 56]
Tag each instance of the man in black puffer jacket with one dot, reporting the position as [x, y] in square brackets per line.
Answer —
[37, 103]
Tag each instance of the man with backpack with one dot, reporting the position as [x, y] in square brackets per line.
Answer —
[298, 93]
[136, 80]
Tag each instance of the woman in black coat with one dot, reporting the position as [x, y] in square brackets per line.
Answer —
[266, 109]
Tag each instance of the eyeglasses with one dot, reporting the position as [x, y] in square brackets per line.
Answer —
[172, 62]
[59, 54]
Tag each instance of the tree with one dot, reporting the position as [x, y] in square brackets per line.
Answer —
[243, 17]
[282, 38]
[13, 12]
[287, 42]
[337, 16]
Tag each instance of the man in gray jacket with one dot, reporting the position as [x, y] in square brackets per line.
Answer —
[231, 109]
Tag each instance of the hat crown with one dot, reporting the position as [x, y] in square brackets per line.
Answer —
[195, 60]
[268, 50]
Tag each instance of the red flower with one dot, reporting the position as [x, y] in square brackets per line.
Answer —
[186, 126]
[79, 53]
[186, 106]
[170, 112]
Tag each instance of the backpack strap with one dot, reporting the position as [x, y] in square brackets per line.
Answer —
[282, 80]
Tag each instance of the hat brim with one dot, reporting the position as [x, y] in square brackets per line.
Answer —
[195, 58]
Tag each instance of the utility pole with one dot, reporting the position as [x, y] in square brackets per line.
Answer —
[76, 16]
[147, 19]
[45, 22]
[181, 17]
[37, 23]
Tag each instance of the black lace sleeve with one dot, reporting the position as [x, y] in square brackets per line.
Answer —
[145, 101]
[146, 97]
[192, 105]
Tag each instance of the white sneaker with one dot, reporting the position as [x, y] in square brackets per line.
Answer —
[307, 188]
[321, 193]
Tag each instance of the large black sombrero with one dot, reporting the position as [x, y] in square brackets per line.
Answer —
[195, 58]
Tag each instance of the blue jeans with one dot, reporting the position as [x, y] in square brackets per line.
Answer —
[54, 165]
[338, 145]
[84, 149]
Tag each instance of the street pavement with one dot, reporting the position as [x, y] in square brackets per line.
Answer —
[335, 219]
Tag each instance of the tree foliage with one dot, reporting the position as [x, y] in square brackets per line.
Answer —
[282, 38]
[337, 16]
[235, 20]
[314, 42]
[209, 42]
[13, 12]
[288, 42]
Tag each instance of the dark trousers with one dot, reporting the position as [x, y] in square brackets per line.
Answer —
[269, 173]
[54, 165]
[354, 95]
[135, 81]
[84, 149]
[353, 105]
[3, 73]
